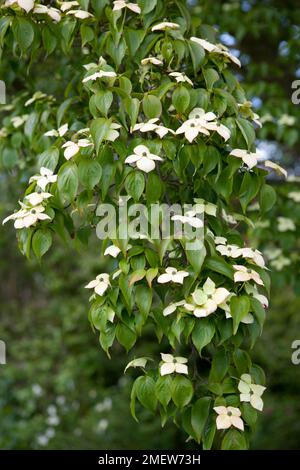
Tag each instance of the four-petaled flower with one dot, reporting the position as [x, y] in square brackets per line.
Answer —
[248, 319]
[151, 60]
[120, 4]
[173, 364]
[172, 307]
[181, 77]
[152, 126]
[100, 284]
[228, 416]
[242, 274]
[144, 159]
[53, 13]
[72, 148]
[206, 300]
[100, 74]
[189, 218]
[285, 224]
[165, 25]
[27, 216]
[172, 275]
[26, 5]
[249, 158]
[45, 177]
[294, 195]
[112, 250]
[60, 132]
[251, 392]
[217, 49]
[36, 198]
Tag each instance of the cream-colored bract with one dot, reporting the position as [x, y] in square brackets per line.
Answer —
[100, 284]
[173, 364]
[229, 416]
[206, 300]
[143, 158]
[243, 274]
[250, 392]
[45, 177]
[26, 5]
[249, 158]
[172, 275]
[120, 4]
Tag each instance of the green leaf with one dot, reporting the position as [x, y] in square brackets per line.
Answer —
[132, 107]
[49, 158]
[241, 361]
[67, 182]
[152, 106]
[135, 184]
[267, 198]
[125, 336]
[219, 367]
[249, 189]
[99, 130]
[89, 173]
[181, 99]
[154, 188]
[200, 412]
[196, 256]
[182, 391]
[239, 308]
[23, 32]
[220, 266]
[41, 242]
[211, 76]
[143, 299]
[259, 311]
[247, 130]
[145, 392]
[163, 388]
[102, 100]
[197, 54]
[203, 333]
[234, 440]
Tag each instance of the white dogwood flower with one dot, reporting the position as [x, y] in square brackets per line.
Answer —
[152, 126]
[286, 120]
[232, 251]
[18, 121]
[139, 362]
[151, 60]
[217, 49]
[243, 274]
[45, 177]
[36, 198]
[285, 224]
[200, 114]
[100, 284]
[189, 218]
[247, 320]
[222, 130]
[250, 392]
[253, 255]
[67, 5]
[38, 95]
[172, 275]
[80, 14]
[112, 250]
[165, 25]
[191, 129]
[220, 240]
[72, 148]
[100, 74]
[172, 308]
[206, 300]
[228, 416]
[253, 292]
[60, 132]
[294, 195]
[27, 216]
[120, 4]
[53, 13]
[26, 5]
[181, 77]
[206, 207]
[143, 158]
[277, 168]
[249, 158]
[173, 364]
[280, 263]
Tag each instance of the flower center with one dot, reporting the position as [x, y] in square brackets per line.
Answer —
[209, 296]
[249, 271]
[192, 125]
[144, 154]
[229, 413]
[33, 211]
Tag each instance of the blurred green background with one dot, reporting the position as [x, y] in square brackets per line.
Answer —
[58, 390]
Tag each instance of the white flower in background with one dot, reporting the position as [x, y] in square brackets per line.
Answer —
[253, 255]
[197, 123]
[27, 216]
[249, 158]
[280, 263]
[143, 158]
[190, 218]
[247, 320]
[38, 95]
[42, 440]
[72, 148]
[207, 207]
[45, 177]
[100, 74]
[173, 364]
[285, 224]
[112, 250]
[294, 195]
[53, 420]
[228, 218]
[102, 425]
[272, 253]
[113, 132]
[181, 77]
[52, 12]
[52, 410]
[243, 274]
[207, 299]
[139, 362]
[165, 25]
[120, 4]
[222, 130]
[100, 284]
[18, 121]
[151, 60]
[251, 392]
[60, 132]
[61, 400]
[216, 48]
[152, 126]
[37, 390]
[36, 198]
[67, 5]
[200, 114]
[172, 308]
[256, 119]
[50, 433]
[232, 251]
[172, 275]
[266, 118]
[253, 292]
[220, 240]
[80, 14]
[26, 5]
[286, 120]
[278, 169]
[228, 416]
[293, 179]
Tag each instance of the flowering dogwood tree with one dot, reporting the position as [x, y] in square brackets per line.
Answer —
[149, 111]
